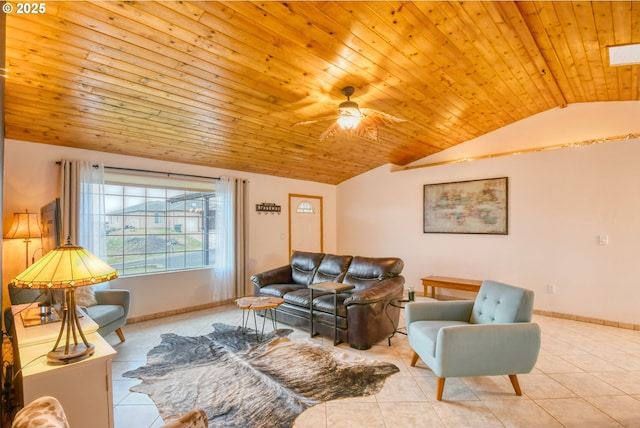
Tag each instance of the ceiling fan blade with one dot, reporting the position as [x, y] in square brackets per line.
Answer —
[320, 119]
[367, 129]
[380, 118]
[366, 120]
[330, 131]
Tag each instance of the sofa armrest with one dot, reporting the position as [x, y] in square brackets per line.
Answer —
[279, 275]
[449, 310]
[386, 289]
[488, 349]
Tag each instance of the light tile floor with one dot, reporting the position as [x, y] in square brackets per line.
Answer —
[587, 375]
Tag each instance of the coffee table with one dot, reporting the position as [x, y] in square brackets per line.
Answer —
[260, 303]
[331, 287]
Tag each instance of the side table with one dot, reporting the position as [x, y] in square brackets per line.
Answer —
[434, 282]
[396, 303]
[262, 303]
[331, 287]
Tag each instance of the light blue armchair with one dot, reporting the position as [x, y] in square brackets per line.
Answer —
[490, 336]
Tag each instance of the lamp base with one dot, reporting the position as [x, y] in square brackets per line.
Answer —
[76, 352]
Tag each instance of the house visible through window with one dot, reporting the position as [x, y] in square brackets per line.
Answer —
[158, 224]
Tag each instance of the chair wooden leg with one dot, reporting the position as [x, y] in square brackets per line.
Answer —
[516, 386]
[120, 334]
[440, 388]
[414, 359]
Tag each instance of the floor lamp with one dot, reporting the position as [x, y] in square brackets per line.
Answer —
[67, 267]
[25, 226]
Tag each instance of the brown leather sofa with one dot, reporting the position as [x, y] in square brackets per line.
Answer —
[364, 314]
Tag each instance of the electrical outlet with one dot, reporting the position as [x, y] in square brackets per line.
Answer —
[551, 288]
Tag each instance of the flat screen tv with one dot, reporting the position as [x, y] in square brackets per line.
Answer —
[50, 218]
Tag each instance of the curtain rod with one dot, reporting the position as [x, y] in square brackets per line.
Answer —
[154, 172]
[160, 172]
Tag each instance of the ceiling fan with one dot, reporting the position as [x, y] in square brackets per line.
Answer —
[361, 122]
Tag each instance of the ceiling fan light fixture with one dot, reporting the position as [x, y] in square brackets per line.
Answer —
[348, 121]
[349, 115]
[350, 107]
[361, 123]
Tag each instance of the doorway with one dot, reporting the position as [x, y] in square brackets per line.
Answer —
[305, 223]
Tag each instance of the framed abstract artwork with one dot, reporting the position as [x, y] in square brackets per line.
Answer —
[475, 206]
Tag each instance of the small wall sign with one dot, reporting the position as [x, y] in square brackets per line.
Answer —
[266, 207]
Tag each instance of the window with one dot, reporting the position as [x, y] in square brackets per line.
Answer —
[305, 207]
[159, 224]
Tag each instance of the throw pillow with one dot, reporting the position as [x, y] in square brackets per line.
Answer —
[85, 296]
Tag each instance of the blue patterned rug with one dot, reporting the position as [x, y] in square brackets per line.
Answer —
[241, 382]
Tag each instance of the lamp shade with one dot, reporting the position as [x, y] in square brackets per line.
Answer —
[25, 225]
[65, 267]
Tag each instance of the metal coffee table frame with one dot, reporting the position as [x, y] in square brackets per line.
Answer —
[396, 303]
[331, 287]
[254, 304]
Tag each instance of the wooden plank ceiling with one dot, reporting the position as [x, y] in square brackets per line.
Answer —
[221, 83]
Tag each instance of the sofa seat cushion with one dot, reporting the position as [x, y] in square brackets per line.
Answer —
[301, 297]
[426, 334]
[104, 314]
[280, 290]
[325, 303]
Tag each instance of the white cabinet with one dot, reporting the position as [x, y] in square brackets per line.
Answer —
[84, 388]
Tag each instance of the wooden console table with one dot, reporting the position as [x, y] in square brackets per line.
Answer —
[434, 282]
[84, 388]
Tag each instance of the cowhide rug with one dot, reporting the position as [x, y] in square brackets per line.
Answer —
[241, 382]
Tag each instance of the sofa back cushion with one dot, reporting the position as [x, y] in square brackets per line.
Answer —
[501, 303]
[304, 266]
[332, 268]
[365, 272]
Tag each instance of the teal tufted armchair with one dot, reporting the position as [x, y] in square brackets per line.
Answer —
[490, 336]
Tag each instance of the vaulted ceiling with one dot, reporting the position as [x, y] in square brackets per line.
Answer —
[220, 83]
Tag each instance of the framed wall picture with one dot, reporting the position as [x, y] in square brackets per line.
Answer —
[476, 206]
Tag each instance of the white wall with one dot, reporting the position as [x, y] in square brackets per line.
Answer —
[30, 175]
[575, 123]
[560, 201]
